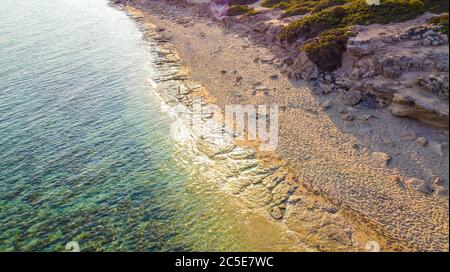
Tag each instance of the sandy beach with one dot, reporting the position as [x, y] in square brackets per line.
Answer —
[358, 166]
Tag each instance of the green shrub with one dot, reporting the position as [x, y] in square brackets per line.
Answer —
[326, 49]
[236, 10]
[300, 7]
[441, 20]
[356, 12]
[325, 29]
[436, 6]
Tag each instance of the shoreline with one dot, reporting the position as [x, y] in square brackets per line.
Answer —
[339, 173]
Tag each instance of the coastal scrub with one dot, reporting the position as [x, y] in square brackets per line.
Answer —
[325, 27]
[236, 10]
[325, 50]
[441, 20]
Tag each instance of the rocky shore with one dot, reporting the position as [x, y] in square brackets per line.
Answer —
[347, 171]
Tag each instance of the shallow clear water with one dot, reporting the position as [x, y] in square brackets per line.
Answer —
[85, 152]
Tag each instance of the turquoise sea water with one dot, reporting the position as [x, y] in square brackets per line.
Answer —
[85, 152]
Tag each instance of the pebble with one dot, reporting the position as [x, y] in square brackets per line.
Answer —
[326, 104]
[260, 88]
[295, 199]
[274, 76]
[382, 157]
[438, 181]
[421, 141]
[349, 117]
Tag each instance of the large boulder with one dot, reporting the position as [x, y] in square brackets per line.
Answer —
[305, 67]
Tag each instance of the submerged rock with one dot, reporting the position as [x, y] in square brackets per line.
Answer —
[276, 213]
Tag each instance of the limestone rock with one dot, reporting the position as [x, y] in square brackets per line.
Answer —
[421, 141]
[360, 48]
[276, 213]
[305, 67]
[351, 97]
[381, 158]
[419, 185]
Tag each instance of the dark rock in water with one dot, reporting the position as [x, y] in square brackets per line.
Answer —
[420, 185]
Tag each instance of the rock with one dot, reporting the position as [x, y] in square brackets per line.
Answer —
[281, 192]
[436, 147]
[351, 97]
[421, 141]
[323, 88]
[427, 189]
[218, 49]
[367, 117]
[328, 78]
[223, 72]
[392, 66]
[326, 104]
[345, 82]
[436, 84]
[382, 158]
[356, 28]
[294, 199]
[276, 213]
[332, 210]
[396, 179]
[238, 80]
[429, 111]
[305, 67]
[437, 181]
[441, 192]
[360, 48]
[287, 60]
[427, 42]
[260, 88]
[274, 76]
[349, 116]
[428, 33]
[419, 185]
[267, 60]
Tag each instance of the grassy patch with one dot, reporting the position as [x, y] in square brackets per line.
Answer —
[441, 20]
[300, 7]
[326, 49]
[236, 10]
